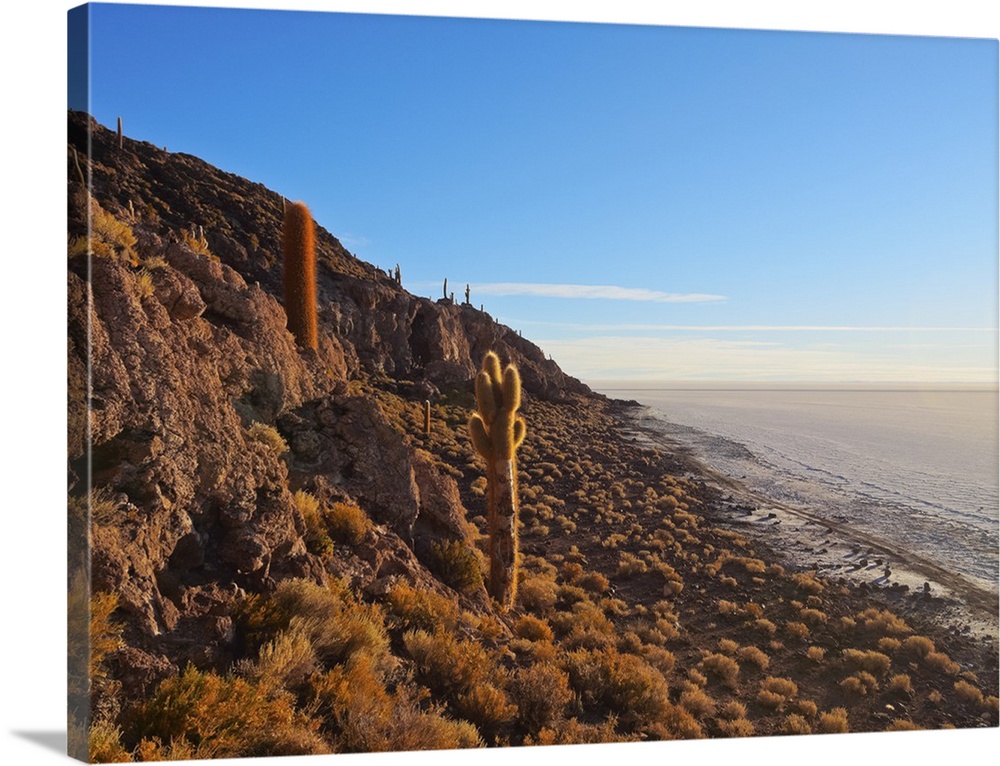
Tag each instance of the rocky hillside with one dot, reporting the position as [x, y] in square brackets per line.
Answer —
[273, 524]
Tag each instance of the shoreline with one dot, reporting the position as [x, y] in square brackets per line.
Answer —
[807, 540]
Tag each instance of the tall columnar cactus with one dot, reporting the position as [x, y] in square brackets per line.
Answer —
[427, 417]
[497, 431]
[299, 249]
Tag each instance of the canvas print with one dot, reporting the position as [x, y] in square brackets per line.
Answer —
[445, 383]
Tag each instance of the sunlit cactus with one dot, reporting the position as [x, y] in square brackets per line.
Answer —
[497, 431]
[299, 248]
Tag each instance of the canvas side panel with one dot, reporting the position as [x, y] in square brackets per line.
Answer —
[78, 386]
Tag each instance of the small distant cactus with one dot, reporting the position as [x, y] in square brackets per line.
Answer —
[399, 277]
[497, 431]
[299, 249]
[427, 417]
[120, 142]
[446, 287]
[467, 291]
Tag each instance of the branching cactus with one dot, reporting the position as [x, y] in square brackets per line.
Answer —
[298, 245]
[497, 431]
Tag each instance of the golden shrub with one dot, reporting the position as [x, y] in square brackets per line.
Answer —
[317, 538]
[736, 727]
[754, 656]
[918, 646]
[871, 661]
[795, 724]
[541, 693]
[416, 608]
[697, 702]
[269, 437]
[900, 682]
[816, 653]
[225, 717]
[457, 565]
[347, 522]
[533, 628]
[941, 661]
[723, 668]
[833, 722]
[968, 692]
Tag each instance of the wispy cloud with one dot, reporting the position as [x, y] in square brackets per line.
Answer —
[603, 292]
[651, 358]
[354, 240]
[589, 327]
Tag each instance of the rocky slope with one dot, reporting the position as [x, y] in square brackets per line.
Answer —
[188, 352]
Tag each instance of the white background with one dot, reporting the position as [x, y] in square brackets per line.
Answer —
[32, 562]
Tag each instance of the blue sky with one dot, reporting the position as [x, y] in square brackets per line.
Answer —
[645, 202]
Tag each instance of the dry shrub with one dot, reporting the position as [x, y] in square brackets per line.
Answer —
[795, 724]
[541, 693]
[873, 662]
[861, 684]
[968, 692]
[754, 656]
[776, 692]
[888, 645]
[317, 538]
[732, 710]
[723, 668]
[736, 727]
[728, 646]
[336, 625]
[284, 663]
[447, 664]
[104, 744]
[766, 627]
[347, 522]
[572, 732]
[660, 658]
[697, 678]
[594, 582]
[807, 708]
[797, 630]
[621, 683]
[941, 661]
[630, 565]
[807, 582]
[816, 653]
[833, 722]
[883, 622]
[900, 683]
[698, 703]
[918, 646]
[457, 565]
[813, 616]
[415, 608]
[679, 723]
[533, 628]
[903, 724]
[486, 706]
[223, 717]
[585, 626]
[362, 716]
[269, 437]
[536, 593]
